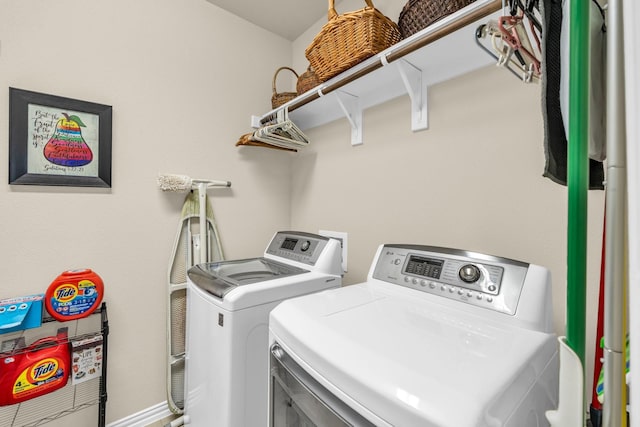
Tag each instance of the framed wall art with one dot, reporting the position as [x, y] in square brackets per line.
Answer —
[58, 141]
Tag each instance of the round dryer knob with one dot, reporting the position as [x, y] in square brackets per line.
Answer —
[469, 273]
[305, 246]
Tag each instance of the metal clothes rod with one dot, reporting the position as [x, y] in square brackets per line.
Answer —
[396, 52]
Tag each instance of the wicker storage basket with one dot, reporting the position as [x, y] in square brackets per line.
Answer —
[307, 80]
[277, 99]
[350, 38]
[419, 14]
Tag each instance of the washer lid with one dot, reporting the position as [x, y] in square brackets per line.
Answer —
[409, 360]
[219, 278]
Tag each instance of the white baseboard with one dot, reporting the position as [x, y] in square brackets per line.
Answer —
[144, 417]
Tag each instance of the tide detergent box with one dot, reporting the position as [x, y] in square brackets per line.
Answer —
[20, 313]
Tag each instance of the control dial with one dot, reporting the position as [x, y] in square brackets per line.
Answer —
[305, 246]
[469, 273]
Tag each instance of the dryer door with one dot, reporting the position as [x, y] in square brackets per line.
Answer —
[297, 399]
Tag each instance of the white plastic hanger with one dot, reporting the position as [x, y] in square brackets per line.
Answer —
[282, 132]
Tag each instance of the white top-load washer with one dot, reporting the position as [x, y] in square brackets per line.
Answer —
[228, 305]
[434, 337]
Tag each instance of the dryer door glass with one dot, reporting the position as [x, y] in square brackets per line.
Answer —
[297, 399]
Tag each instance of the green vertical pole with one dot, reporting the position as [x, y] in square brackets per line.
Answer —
[578, 175]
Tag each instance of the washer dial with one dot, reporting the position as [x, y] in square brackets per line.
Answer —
[469, 273]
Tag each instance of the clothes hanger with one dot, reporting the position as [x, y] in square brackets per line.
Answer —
[281, 132]
[505, 54]
[514, 33]
[503, 59]
[515, 46]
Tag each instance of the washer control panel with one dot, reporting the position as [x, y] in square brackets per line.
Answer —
[482, 280]
[297, 246]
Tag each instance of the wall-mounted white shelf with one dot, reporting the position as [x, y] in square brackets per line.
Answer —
[442, 51]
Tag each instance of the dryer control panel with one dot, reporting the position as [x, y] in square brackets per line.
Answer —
[482, 280]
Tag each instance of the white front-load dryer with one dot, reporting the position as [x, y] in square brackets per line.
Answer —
[434, 338]
[228, 305]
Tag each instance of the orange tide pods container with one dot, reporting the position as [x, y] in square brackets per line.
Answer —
[74, 294]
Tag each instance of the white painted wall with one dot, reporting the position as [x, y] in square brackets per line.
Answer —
[183, 78]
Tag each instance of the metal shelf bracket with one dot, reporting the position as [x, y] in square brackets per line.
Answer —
[350, 106]
[413, 82]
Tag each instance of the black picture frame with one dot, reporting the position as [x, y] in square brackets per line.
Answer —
[47, 145]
